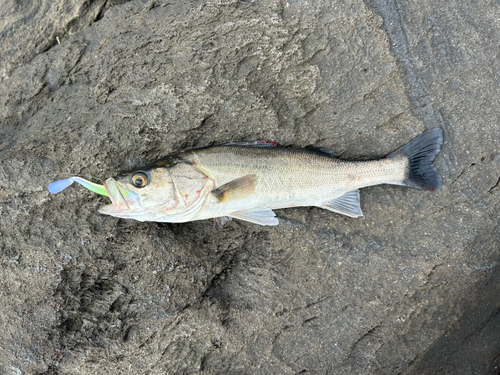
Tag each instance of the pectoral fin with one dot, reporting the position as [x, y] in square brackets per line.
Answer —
[236, 189]
[347, 204]
[260, 216]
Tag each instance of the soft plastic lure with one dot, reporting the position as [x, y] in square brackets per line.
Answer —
[58, 186]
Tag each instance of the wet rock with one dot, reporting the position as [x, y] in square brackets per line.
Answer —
[408, 288]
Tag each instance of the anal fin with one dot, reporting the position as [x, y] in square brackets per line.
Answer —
[236, 189]
[347, 204]
[260, 216]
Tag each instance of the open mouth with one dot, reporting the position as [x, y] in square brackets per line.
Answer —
[116, 194]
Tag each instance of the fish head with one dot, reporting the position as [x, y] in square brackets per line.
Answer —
[172, 193]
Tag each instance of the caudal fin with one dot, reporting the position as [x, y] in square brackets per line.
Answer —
[421, 153]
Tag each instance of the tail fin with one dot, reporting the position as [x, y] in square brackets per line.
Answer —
[421, 152]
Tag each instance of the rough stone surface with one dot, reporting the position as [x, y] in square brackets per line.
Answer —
[28, 28]
[411, 288]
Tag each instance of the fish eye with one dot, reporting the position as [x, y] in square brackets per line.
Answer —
[140, 179]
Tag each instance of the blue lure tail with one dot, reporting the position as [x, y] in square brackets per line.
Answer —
[60, 185]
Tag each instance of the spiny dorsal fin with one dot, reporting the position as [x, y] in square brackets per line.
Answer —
[252, 144]
[328, 152]
[323, 151]
[236, 189]
[347, 204]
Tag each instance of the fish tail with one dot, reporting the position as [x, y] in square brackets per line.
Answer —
[421, 153]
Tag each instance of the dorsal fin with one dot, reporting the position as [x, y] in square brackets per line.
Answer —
[323, 151]
[252, 144]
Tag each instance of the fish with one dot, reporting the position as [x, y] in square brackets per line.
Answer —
[248, 180]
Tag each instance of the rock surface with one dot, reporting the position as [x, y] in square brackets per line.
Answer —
[411, 288]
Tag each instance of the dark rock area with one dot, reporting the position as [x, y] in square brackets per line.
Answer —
[413, 287]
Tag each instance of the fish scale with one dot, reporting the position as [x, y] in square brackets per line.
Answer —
[290, 177]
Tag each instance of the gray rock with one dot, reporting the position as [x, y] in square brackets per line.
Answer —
[411, 288]
[30, 28]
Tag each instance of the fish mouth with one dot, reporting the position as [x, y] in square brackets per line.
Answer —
[118, 196]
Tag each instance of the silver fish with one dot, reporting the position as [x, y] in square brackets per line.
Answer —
[248, 180]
